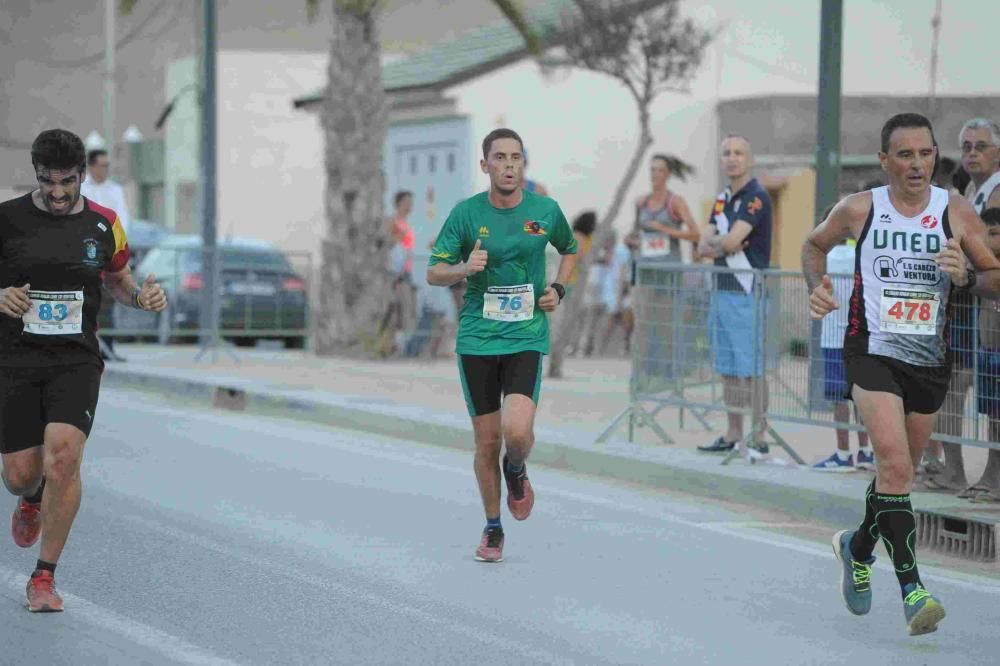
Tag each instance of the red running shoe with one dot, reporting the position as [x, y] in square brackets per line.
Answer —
[42, 595]
[26, 523]
[520, 496]
[491, 545]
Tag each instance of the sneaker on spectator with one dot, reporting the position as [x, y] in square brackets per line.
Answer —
[865, 460]
[835, 464]
[720, 445]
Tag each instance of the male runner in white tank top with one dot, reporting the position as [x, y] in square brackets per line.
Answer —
[912, 243]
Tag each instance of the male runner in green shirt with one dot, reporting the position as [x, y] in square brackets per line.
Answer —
[497, 240]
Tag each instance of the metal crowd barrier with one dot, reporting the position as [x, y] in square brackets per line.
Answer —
[690, 318]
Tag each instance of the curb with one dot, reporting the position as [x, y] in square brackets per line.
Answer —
[820, 499]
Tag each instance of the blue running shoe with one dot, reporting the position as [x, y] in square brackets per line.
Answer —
[835, 464]
[865, 460]
[923, 612]
[855, 577]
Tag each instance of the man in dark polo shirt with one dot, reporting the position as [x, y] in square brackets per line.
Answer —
[738, 237]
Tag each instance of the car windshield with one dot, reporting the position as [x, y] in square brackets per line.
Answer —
[172, 260]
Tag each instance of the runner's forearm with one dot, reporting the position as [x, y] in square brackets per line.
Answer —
[445, 275]
[813, 264]
[122, 288]
[566, 266]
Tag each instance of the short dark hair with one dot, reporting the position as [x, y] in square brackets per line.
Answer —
[904, 120]
[585, 222]
[402, 194]
[991, 217]
[502, 133]
[663, 157]
[960, 179]
[94, 154]
[58, 149]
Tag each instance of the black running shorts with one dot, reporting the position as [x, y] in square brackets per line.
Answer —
[923, 388]
[31, 398]
[486, 379]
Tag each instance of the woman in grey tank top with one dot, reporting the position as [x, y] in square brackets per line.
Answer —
[662, 221]
[662, 218]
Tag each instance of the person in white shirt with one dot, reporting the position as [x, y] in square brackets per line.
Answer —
[102, 190]
[840, 266]
[99, 188]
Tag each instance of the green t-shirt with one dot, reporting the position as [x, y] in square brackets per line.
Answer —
[501, 313]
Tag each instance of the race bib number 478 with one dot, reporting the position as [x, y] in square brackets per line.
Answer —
[516, 303]
[909, 312]
[54, 313]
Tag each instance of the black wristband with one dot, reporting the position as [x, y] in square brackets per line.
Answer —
[561, 290]
[970, 280]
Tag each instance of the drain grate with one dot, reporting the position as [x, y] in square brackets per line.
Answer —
[957, 536]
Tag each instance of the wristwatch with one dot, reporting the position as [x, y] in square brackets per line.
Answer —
[561, 290]
[135, 299]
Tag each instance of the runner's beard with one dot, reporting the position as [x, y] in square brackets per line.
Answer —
[71, 204]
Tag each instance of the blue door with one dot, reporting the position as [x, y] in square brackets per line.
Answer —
[432, 159]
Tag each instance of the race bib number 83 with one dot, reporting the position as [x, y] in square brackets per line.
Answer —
[54, 313]
[515, 303]
[909, 312]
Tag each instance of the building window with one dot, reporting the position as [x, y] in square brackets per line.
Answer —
[413, 164]
[451, 162]
[432, 163]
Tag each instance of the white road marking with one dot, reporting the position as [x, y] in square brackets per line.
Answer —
[171, 647]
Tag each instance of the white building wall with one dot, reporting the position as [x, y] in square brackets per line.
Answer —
[270, 176]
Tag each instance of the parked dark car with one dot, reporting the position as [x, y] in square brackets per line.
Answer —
[142, 237]
[261, 295]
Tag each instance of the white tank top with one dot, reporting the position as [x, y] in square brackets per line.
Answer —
[982, 194]
[899, 305]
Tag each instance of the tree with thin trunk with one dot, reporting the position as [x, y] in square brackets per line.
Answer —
[354, 283]
[654, 53]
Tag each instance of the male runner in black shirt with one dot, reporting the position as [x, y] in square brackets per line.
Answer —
[56, 248]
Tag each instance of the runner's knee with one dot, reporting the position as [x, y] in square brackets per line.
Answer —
[20, 478]
[62, 459]
[518, 434]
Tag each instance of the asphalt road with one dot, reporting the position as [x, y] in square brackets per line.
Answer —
[211, 537]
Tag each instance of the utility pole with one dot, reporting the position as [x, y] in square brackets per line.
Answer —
[828, 107]
[109, 80]
[210, 304]
[935, 40]
[827, 149]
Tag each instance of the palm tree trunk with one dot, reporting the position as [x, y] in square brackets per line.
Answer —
[572, 311]
[353, 281]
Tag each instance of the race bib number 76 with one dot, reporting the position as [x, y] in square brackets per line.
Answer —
[516, 303]
[54, 313]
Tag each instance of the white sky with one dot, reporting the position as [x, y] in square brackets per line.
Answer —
[774, 48]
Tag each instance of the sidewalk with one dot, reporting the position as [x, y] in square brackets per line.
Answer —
[422, 401]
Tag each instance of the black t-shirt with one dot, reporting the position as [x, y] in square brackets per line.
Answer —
[63, 258]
